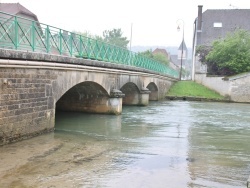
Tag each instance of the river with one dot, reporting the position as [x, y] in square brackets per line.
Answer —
[168, 144]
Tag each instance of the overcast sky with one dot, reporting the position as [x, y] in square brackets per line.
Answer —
[154, 21]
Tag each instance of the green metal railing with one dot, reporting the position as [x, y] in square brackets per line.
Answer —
[24, 34]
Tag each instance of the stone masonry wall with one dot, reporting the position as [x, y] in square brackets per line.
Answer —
[26, 103]
[237, 87]
[240, 88]
[164, 86]
[214, 83]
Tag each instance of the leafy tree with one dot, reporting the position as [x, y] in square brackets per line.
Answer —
[89, 35]
[202, 51]
[115, 37]
[110, 36]
[230, 55]
[147, 53]
[85, 33]
[161, 58]
[158, 56]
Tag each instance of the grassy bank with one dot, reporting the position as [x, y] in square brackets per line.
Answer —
[192, 89]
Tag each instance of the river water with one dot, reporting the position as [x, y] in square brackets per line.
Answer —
[173, 144]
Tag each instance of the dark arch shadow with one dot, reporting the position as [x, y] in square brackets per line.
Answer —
[131, 92]
[82, 97]
[153, 96]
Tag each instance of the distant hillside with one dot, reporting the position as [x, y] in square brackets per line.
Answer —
[173, 50]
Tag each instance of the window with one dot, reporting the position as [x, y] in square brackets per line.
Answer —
[217, 24]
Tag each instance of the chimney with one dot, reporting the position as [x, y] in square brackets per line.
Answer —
[199, 17]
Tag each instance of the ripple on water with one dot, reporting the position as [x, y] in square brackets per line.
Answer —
[166, 144]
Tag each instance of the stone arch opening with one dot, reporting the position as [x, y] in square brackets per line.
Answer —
[132, 94]
[87, 97]
[152, 87]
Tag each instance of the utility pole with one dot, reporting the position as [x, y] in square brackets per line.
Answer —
[131, 33]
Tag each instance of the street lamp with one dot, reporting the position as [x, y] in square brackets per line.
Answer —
[181, 22]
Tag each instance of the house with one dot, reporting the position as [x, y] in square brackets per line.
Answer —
[18, 10]
[16, 20]
[25, 18]
[215, 24]
[162, 51]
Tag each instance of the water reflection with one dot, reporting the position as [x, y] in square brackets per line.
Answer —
[89, 124]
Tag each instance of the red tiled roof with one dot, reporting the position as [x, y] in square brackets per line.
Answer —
[163, 51]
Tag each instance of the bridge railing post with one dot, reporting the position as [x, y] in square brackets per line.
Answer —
[60, 42]
[81, 46]
[33, 36]
[16, 33]
[47, 39]
[71, 44]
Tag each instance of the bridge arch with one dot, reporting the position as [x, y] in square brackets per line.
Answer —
[86, 96]
[133, 95]
[153, 95]
[68, 79]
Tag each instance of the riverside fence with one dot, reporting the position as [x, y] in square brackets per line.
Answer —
[20, 33]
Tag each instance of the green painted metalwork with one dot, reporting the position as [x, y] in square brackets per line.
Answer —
[23, 34]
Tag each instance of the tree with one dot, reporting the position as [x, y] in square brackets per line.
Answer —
[158, 56]
[115, 37]
[89, 35]
[147, 53]
[230, 55]
[202, 51]
[161, 58]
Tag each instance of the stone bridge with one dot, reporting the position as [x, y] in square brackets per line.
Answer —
[34, 86]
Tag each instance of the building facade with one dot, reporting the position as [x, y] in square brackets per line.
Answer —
[215, 24]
